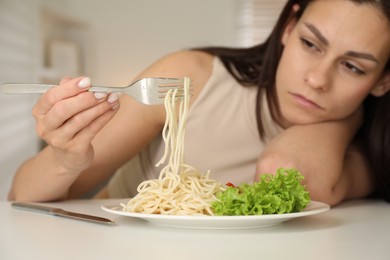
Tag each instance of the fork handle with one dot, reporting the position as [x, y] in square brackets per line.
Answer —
[36, 88]
[21, 88]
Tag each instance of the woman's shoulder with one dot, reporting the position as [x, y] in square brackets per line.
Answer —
[196, 65]
[192, 60]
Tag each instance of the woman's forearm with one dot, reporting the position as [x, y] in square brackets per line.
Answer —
[318, 152]
[358, 172]
[41, 179]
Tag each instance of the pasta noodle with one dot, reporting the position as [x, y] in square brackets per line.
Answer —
[180, 188]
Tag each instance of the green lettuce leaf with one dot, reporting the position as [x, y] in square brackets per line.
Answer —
[273, 194]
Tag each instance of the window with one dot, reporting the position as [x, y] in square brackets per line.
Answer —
[18, 52]
[256, 20]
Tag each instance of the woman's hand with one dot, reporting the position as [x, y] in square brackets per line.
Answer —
[68, 117]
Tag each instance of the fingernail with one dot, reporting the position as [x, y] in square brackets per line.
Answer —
[115, 107]
[85, 82]
[113, 98]
[100, 95]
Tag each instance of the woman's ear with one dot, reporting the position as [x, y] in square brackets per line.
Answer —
[382, 87]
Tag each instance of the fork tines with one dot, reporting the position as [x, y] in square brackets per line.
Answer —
[166, 84]
[179, 93]
[171, 82]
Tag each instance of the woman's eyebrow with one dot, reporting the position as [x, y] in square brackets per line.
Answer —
[323, 39]
[317, 33]
[360, 55]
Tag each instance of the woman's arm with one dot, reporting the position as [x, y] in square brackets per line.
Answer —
[87, 143]
[357, 171]
[67, 118]
[82, 153]
[322, 153]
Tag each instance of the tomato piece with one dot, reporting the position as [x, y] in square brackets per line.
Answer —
[229, 184]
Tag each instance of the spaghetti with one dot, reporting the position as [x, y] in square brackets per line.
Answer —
[180, 189]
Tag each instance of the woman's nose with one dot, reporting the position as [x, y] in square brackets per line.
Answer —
[318, 76]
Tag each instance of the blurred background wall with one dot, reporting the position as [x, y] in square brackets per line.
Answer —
[109, 41]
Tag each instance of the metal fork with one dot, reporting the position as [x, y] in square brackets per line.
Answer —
[150, 91]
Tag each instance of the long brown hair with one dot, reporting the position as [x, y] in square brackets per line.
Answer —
[256, 67]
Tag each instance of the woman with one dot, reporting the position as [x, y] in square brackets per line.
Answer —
[306, 92]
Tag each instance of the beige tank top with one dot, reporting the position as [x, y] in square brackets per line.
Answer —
[221, 136]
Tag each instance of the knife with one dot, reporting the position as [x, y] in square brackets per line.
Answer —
[60, 212]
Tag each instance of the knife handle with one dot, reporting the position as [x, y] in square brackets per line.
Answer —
[33, 207]
[60, 212]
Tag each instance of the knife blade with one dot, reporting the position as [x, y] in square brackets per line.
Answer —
[32, 207]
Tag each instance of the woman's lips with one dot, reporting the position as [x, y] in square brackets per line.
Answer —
[305, 102]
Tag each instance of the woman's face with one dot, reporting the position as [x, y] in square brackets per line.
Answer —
[333, 58]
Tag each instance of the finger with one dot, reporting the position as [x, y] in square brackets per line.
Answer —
[71, 107]
[83, 138]
[85, 119]
[64, 80]
[88, 133]
[63, 91]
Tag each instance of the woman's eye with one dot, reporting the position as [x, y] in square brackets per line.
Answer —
[308, 44]
[354, 69]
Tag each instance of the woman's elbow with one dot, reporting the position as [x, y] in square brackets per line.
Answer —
[270, 163]
[320, 188]
[324, 192]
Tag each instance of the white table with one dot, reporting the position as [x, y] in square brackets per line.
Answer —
[353, 230]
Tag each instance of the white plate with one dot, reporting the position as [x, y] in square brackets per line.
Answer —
[217, 222]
